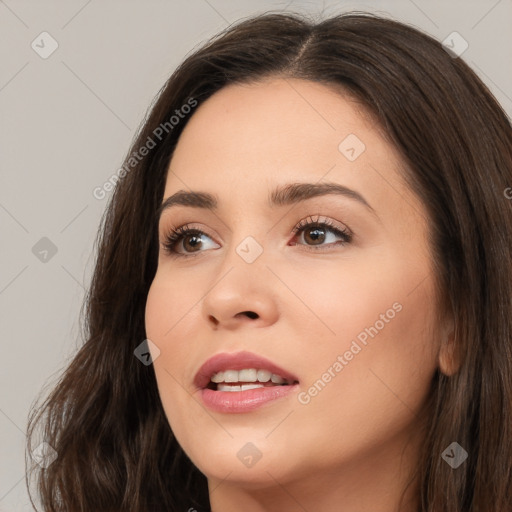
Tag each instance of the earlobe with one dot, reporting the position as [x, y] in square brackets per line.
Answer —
[449, 361]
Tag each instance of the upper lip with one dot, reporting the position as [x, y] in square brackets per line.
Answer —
[238, 361]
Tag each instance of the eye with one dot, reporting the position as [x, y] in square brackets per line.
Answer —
[315, 233]
[185, 241]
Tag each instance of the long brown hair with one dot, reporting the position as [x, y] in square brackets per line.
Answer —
[105, 420]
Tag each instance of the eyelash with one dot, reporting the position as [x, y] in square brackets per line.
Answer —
[176, 235]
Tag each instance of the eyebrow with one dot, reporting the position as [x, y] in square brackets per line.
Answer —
[281, 196]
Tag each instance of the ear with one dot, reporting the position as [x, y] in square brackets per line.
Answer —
[448, 357]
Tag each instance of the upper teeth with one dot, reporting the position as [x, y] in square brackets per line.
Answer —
[247, 375]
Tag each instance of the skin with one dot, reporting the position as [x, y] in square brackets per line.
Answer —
[353, 445]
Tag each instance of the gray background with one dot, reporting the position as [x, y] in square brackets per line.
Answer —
[66, 124]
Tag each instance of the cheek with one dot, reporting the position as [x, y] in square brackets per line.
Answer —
[154, 311]
[162, 316]
[372, 377]
[341, 300]
[362, 291]
[171, 314]
[162, 321]
[170, 305]
[374, 350]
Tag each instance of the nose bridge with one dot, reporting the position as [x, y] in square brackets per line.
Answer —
[247, 240]
[243, 260]
[240, 285]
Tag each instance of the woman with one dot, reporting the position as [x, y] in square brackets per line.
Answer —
[230, 363]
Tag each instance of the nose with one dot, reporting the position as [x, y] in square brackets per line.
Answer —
[241, 294]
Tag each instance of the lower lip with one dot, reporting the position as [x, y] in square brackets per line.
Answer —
[244, 401]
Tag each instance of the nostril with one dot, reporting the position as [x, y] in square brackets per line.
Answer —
[251, 314]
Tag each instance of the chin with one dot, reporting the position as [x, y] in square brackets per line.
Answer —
[243, 460]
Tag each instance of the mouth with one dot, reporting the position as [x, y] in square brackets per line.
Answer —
[241, 371]
[243, 382]
[245, 379]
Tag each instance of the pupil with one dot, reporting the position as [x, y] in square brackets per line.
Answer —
[318, 235]
[194, 244]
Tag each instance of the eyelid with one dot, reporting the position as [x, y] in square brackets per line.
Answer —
[187, 226]
[320, 219]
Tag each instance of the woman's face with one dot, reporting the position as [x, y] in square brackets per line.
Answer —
[346, 309]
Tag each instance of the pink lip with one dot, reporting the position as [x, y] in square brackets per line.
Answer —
[240, 401]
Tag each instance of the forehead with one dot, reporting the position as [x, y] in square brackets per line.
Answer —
[247, 138]
[280, 114]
